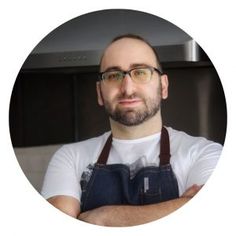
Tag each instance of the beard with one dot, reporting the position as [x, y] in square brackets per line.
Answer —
[134, 116]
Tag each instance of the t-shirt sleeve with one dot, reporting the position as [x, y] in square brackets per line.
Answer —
[61, 177]
[204, 161]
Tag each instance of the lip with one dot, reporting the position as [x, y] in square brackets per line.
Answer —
[129, 102]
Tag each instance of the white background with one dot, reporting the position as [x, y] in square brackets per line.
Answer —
[24, 23]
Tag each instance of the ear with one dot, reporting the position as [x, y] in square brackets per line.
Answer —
[165, 84]
[99, 94]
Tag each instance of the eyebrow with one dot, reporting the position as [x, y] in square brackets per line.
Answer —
[113, 68]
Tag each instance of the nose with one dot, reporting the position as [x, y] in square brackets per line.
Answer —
[127, 85]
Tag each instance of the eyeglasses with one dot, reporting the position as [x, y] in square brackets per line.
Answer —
[138, 75]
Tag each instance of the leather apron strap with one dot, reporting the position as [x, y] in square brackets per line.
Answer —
[164, 149]
[102, 160]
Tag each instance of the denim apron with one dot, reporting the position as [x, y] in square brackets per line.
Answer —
[112, 184]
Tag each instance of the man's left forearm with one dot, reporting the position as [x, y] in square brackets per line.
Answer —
[124, 215]
[127, 215]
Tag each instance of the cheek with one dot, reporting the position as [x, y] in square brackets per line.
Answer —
[109, 94]
[153, 91]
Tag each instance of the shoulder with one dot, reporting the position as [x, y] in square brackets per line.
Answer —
[182, 140]
[88, 147]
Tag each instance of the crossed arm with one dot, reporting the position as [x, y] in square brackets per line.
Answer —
[125, 215]
[122, 215]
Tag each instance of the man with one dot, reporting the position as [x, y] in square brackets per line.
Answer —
[141, 170]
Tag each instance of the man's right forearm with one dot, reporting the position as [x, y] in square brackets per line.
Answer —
[126, 215]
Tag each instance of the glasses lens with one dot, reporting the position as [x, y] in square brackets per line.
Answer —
[112, 76]
[141, 75]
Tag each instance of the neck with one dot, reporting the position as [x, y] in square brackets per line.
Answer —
[149, 127]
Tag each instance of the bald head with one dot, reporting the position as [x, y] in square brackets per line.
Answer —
[124, 52]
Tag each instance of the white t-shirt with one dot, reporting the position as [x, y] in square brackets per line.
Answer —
[193, 159]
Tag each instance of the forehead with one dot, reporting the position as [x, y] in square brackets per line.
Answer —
[125, 52]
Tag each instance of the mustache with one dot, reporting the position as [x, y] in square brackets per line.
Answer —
[132, 96]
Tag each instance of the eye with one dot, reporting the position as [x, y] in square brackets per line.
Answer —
[140, 72]
[114, 75]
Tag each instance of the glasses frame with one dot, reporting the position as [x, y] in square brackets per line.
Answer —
[124, 73]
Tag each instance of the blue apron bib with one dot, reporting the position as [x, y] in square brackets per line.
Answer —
[113, 185]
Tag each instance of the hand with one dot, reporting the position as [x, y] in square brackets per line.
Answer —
[96, 216]
[192, 191]
[127, 215]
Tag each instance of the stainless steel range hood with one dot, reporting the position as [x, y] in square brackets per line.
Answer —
[81, 41]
